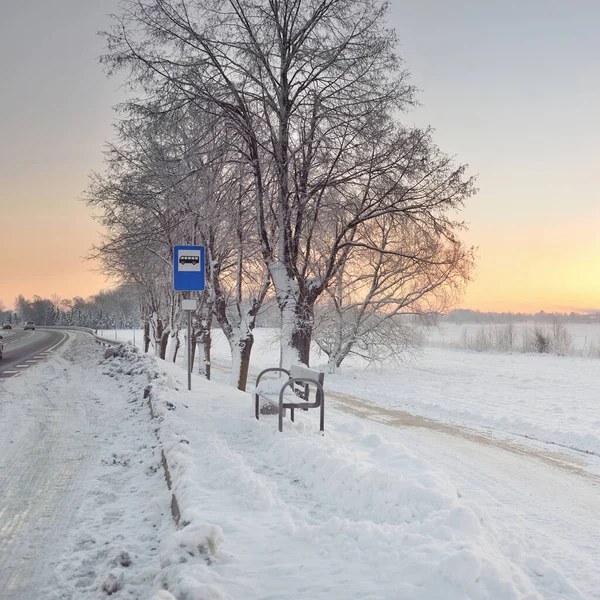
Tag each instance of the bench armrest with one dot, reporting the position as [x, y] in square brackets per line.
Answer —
[257, 391]
[271, 369]
[319, 401]
[290, 382]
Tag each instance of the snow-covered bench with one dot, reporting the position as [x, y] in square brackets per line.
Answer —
[292, 393]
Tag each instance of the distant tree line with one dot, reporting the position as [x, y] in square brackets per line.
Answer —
[508, 337]
[118, 308]
[462, 315]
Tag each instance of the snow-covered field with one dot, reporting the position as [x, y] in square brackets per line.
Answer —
[451, 504]
[351, 514]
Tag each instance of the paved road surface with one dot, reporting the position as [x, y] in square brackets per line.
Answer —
[25, 348]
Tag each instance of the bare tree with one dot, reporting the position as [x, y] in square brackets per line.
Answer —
[170, 181]
[393, 273]
[561, 338]
[201, 338]
[237, 281]
[139, 203]
[311, 90]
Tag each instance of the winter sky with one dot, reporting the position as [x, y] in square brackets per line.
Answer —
[511, 87]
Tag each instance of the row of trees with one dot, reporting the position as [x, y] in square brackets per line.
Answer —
[508, 337]
[116, 308]
[464, 315]
[269, 132]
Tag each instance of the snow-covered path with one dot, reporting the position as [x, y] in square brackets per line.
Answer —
[552, 499]
[68, 465]
[371, 509]
[556, 513]
[549, 494]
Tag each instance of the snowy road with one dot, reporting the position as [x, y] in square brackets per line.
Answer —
[22, 349]
[52, 436]
[57, 440]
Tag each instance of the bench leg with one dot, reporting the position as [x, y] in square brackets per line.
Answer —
[292, 414]
[322, 424]
[280, 419]
[256, 408]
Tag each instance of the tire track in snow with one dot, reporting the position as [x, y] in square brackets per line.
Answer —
[399, 418]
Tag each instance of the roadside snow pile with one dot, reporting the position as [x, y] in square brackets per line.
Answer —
[128, 360]
[298, 515]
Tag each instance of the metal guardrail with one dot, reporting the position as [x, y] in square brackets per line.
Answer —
[101, 340]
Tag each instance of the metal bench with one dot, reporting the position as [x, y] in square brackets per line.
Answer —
[299, 380]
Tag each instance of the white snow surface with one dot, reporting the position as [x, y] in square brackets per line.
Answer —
[553, 399]
[367, 510]
[351, 514]
[83, 502]
[347, 514]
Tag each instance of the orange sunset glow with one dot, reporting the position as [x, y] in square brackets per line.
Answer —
[535, 220]
[299, 299]
[50, 234]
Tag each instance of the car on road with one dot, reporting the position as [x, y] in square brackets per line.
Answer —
[29, 325]
[1, 346]
[7, 326]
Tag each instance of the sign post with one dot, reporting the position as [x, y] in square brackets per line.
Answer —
[188, 276]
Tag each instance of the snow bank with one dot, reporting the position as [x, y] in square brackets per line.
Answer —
[301, 515]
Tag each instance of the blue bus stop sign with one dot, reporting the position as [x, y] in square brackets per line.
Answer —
[188, 268]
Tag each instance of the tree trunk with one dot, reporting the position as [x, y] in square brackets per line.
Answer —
[240, 361]
[177, 345]
[332, 363]
[194, 341]
[146, 335]
[297, 304]
[202, 323]
[156, 333]
[173, 344]
[302, 330]
[164, 341]
[204, 344]
[289, 351]
[301, 339]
